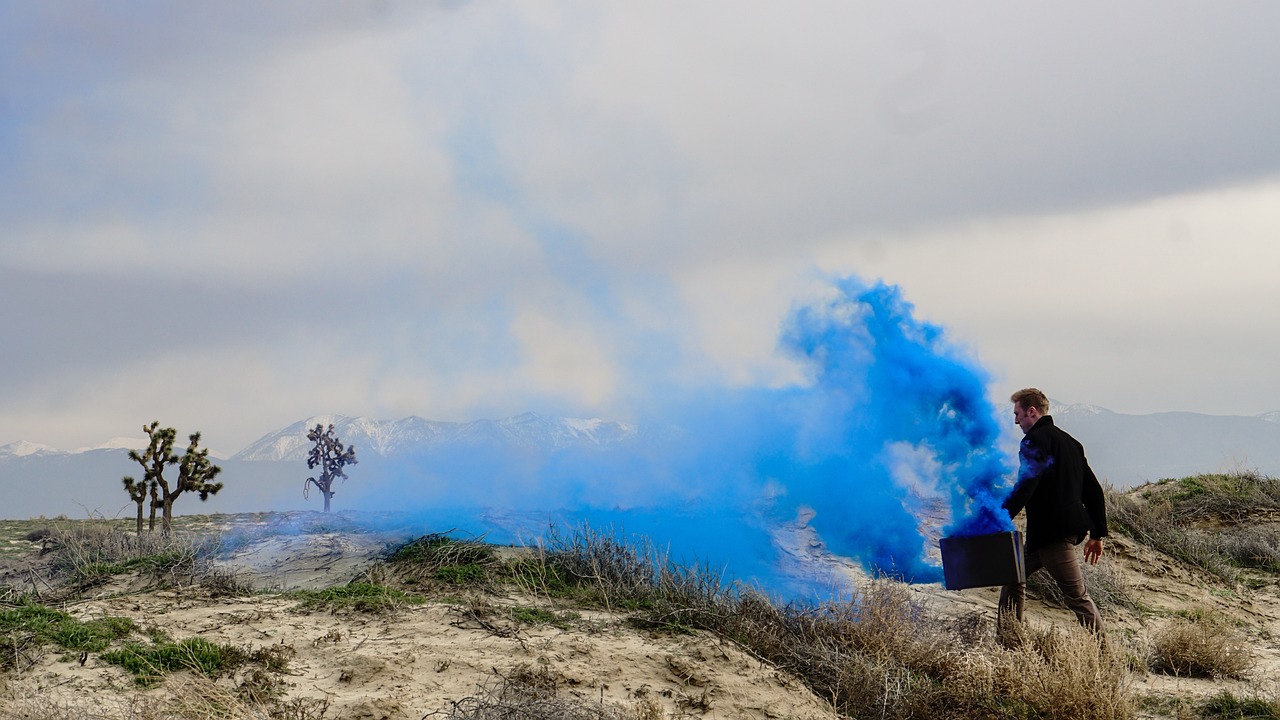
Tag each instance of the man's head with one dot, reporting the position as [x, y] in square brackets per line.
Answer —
[1029, 405]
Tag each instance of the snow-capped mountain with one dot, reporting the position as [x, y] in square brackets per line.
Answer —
[414, 435]
[22, 448]
[117, 443]
[1076, 409]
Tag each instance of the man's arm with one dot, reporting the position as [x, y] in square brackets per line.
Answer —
[1095, 503]
[1033, 458]
[1094, 499]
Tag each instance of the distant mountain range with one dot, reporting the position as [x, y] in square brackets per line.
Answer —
[38, 480]
[415, 435]
[1129, 450]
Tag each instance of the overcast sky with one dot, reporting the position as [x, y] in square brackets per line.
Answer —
[230, 216]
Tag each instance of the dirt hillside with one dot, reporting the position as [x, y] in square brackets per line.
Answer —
[433, 657]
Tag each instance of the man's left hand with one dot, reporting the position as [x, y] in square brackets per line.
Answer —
[1093, 550]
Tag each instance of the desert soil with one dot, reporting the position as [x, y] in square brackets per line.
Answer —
[420, 659]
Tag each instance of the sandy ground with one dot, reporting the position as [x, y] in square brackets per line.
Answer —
[419, 659]
[422, 658]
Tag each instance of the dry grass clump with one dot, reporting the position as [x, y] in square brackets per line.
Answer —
[884, 651]
[1224, 497]
[442, 559]
[76, 557]
[1251, 547]
[1206, 521]
[878, 654]
[631, 571]
[88, 554]
[526, 694]
[1200, 646]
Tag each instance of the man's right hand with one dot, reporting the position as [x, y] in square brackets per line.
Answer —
[1093, 550]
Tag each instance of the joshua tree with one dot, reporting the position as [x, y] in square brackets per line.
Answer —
[137, 492]
[154, 459]
[331, 458]
[195, 473]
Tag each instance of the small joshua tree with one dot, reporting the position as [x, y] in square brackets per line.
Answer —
[328, 455]
[137, 492]
[154, 459]
[195, 473]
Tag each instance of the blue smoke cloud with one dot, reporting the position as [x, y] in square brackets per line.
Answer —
[890, 437]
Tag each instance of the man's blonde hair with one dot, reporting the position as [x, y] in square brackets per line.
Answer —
[1031, 398]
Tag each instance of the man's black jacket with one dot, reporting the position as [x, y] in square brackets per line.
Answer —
[1061, 494]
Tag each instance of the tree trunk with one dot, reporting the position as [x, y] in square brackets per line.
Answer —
[327, 495]
[139, 517]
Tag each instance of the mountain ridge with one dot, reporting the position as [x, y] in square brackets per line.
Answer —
[1123, 449]
[415, 434]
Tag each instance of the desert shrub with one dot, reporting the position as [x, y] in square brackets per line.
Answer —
[1199, 646]
[1205, 521]
[1257, 548]
[1152, 522]
[224, 582]
[602, 562]
[541, 616]
[150, 663]
[445, 560]
[539, 577]
[1224, 497]
[601, 567]
[360, 596]
[87, 554]
[880, 653]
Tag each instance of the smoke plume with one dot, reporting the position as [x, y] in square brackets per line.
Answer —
[889, 442]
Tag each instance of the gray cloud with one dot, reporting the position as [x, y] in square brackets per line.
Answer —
[477, 208]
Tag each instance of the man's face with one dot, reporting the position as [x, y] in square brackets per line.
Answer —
[1025, 417]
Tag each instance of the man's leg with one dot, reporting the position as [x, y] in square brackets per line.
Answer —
[1013, 597]
[1062, 561]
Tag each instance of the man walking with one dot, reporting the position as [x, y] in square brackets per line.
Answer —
[1064, 504]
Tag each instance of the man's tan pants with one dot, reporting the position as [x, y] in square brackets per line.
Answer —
[1062, 560]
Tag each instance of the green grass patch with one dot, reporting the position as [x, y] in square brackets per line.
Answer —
[150, 663]
[541, 577]
[439, 549]
[361, 596]
[54, 626]
[445, 560]
[540, 616]
[459, 574]
[1226, 706]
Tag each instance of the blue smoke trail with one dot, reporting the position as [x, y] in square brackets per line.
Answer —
[892, 416]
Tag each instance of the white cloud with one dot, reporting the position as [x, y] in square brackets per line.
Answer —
[1145, 307]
